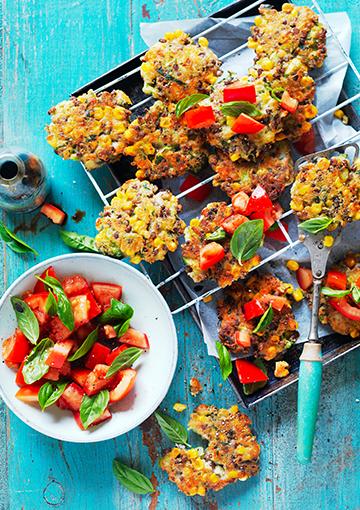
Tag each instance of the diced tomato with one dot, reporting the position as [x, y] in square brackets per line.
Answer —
[84, 308]
[248, 372]
[243, 338]
[304, 277]
[29, 393]
[16, 347]
[288, 103]
[37, 304]
[277, 302]
[105, 416]
[238, 91]
[59, 353]
[198, 194]
[336, 280]
[65, 370]
[115, 353]
[54, 214]
[267, 215]
[240, 202]
[97, 381]
[53, 374]
[19, 379]
[39, 286]
[135, 338]
[345, 308]
[97, 355]
[258, 201]
[307, 143]
[71, 398]
[200, 117]
[211, 254]
[109, 331]
[233, 222]
[58, 331]
[277, 234]
[83, 331]
[75, 285]
[253, 309]
[245, 125]
[105, 292]
[79, 375]
[126, 383]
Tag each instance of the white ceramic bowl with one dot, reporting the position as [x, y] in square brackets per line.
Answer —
[155, 368]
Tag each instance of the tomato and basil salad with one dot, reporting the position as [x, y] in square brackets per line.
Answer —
[74, 346]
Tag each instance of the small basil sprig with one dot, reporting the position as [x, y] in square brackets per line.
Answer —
[188, 102]
[172, 428]
[315, 225]
[93, 407]
[51, 304]
[50, 392]
[131, 479]
[274, 92]
[265, 320]
[121, 329]
[78, 241]
[64, 309]
[218, 235]
[250, 388]
[247, 239]
[14, 242]
[224, 360]
[85, 346]
[355, 291]
[235, 108]
[35, 367]
[117, 311]
[124, 360]
[327, 291]
[26, 319]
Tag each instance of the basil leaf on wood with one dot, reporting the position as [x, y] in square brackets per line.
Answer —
[355, 291]
[93, 407]
[77, 241]
[224, 360]
[14, 242]
[117, 311]
[218, 235]
[124, 360]
[85, 346]
[188, 102]
[35, 367]
[265, 320]
[315, 225]
[327, 291]
[51, 305]
[172, 428]
[247, 239]
[121, 329]
[64, 309]
[26, 319]
[235, 108]
[131, 479]
[50, 392]
[250, 388]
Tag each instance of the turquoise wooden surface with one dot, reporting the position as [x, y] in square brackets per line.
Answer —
[50, 48]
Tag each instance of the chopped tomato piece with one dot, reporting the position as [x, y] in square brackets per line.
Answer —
[75, 285]
[58, 331]
[65, 370]
[304, 277]
[267, 215]
[245, 125]
[16, 347]
[19, 379]
[211, 254]
[253, 309]
[84, 308]
[37, 304]
[71, 398]
[96, 380]
[240, 202]
[307, 143]
[238, 91]
[233, 222]
[125, 385]
[53, 374]
[59, 353]
[277, 234]
[288, 103]
[115, 353]
[200, 117]
[243, 338]
[135, 338]
[109, 331]
[105, 292]
[198, 194]
[105, 416]
[345, 308]
[277, 302]
[97, 355]
[29, 393]
[39, 286]
[54, 214]
[258, 201]
[336, 280]
[248, 372]
[79, 375]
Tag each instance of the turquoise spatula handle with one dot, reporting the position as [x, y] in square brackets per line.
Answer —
[308, 399]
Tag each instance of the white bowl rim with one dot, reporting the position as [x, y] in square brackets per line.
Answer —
[147, 281]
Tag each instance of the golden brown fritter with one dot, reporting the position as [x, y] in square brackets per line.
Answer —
[278, 336]
[141, 223]
[232, 453]
[176, 67]
[273, 171]
[162, 145]
[228, 269]
[89, 128]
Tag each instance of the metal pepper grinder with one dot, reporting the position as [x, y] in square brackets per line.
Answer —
[23, 180]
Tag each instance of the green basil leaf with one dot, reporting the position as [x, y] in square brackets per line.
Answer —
[26, 319]
[355, 291]
[188, 102]
[85, 346]
[50, 392]
[172, 428]
[327, 291]
[35, 367]
[218, 235]
[315, 225]
[274, 93]
[124, 360]
[169, 76]
[121, 329]
[247, 239]
[265, 320]
[78, 241]
[118, 311]
[51, 305]
[250, 388]
[235, 108]
[93, 407]
[224, 360]
[64, 309]
[131, 479]
[14, 242]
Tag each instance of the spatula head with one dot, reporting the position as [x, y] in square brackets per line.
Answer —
[328, 153]
[319, 253]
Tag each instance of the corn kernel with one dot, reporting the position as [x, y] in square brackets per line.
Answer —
[234, 157]
[195, 222]
[289, 289]
[266, 64]
[146, 67]
[234, 409]
[345, 120]
[213, 478]
[179, 408]
[344, 175]
[258, 21]
[296, 206]
[303, 189]
[354, 333]
[98, 113]
[287, 7]
[170, 36]
[328, 241]
[212, 78]
[292, 265]
[306, 81]
[172, 245]
[298, 295]
[135, 260]
[165, 122]
[281, 369]
[203, 42]
[201, 491]
[193, 453]
[252, 44]
[157, 242]
[310, 111]
[339, 114]
[198, 464]
[316, 208]
[207, 299]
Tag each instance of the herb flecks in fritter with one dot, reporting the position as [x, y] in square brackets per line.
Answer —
[141, 223]
[176, 67]
[89, 128]
[231, 455]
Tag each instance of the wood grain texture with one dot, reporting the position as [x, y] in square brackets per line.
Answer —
[50, 48]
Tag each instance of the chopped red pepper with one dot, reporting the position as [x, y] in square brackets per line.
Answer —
[248, 372]
[238, 91]
[288, 103]
[253, 309]
[245, 125]
[54, 214]
[336, 280]
[307, 143]
[233, 222]
[210, 255]
[240, 202]
[345, 308]
[258, 201]
[304, 277]
[198, 194]
[200, 117]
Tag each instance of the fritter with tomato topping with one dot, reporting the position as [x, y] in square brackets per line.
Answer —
[141, 223]
[199, 234]
[293, 31]
[327, 187]
[237, 333]
[273, 171]
[89, 128]
[162, 145]
[177, 67]
[232, 453]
